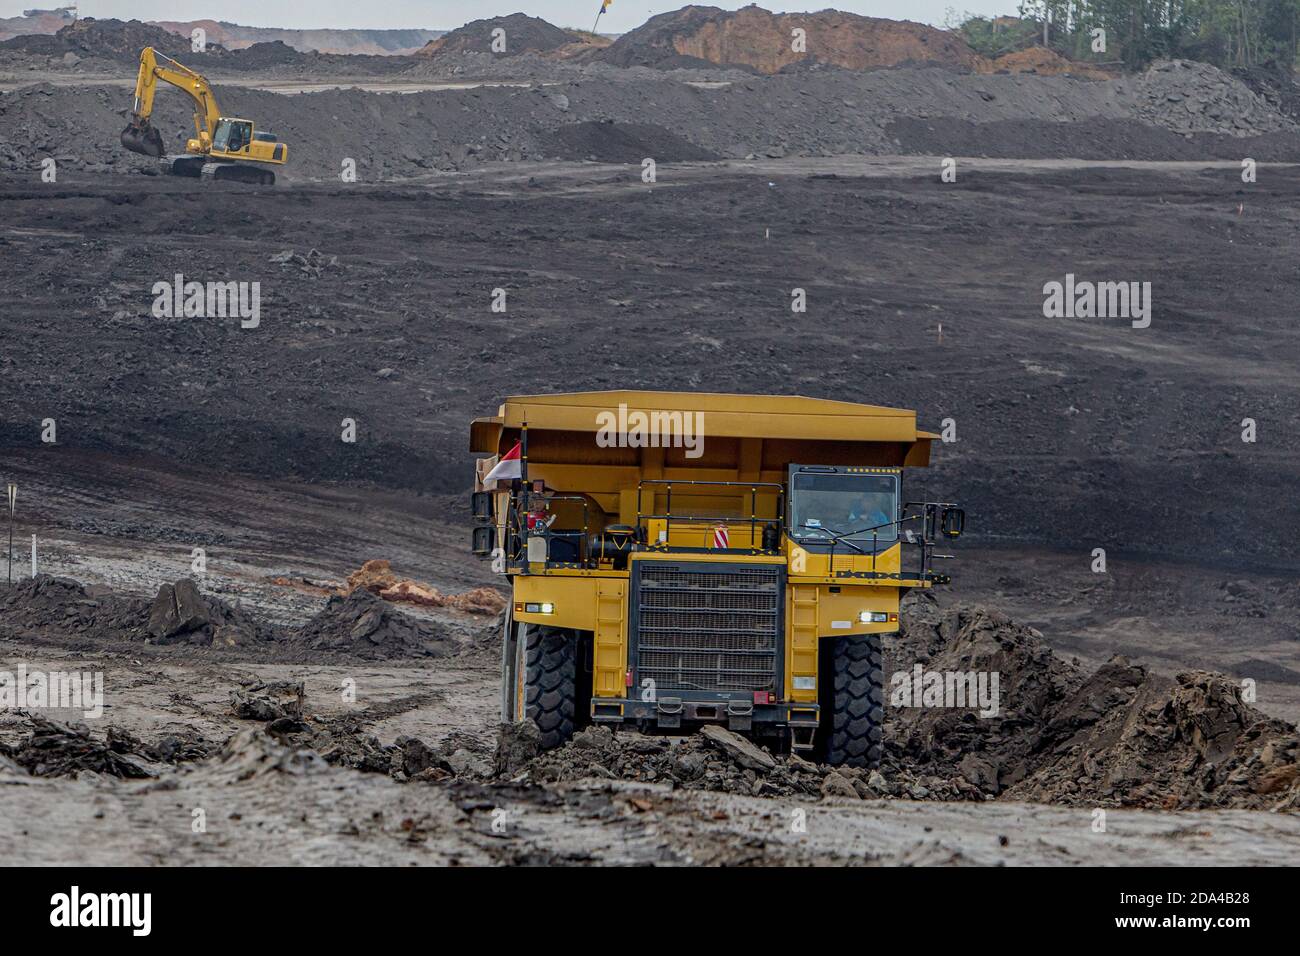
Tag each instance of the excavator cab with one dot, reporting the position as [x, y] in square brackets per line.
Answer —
[237, 139]
[232, 136]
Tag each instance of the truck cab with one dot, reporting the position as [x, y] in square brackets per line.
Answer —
[681, 559]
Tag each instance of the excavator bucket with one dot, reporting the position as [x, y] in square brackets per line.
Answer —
[143, 139]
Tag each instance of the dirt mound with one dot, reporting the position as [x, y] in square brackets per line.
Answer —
[523, 34]
[65, 750]
[109, 39]
[1191, 97]
[260, 56]
[947, 742]
[756, 38]
[715, 759]
[1121, 736]
[358, 623]
[253, 753]
[378, 578]
[1190, 743]
[478, 601]
[1045, 62]
[42, 602]
[366, 625]
[182, 614]
[605, 141]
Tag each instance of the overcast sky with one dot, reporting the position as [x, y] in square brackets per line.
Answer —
[622, 15]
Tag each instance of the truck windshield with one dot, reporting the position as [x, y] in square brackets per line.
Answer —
[827, 505]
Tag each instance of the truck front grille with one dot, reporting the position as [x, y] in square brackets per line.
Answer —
[708, 627]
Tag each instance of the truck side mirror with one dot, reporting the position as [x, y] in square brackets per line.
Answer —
[953, 522]
[484, 539]
[482, 506]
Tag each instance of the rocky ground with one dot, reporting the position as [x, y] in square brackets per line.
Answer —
[402, 762]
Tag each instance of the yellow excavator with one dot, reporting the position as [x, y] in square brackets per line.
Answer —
[224, 148]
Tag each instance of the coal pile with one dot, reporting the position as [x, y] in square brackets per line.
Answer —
[372, 629]
[1093, 139]
[1189, 97]
[102, 43]
[61, 604]
[523, 34]
[821, 112]
[108, 39]
[1275, 84]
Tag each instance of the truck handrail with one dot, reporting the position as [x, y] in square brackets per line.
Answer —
[753, 520]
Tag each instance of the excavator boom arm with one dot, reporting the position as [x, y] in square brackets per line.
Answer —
[140, 136]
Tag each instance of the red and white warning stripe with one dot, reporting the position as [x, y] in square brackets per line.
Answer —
[720, 539]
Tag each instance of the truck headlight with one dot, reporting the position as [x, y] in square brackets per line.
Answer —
[542, 608]
[873, 617]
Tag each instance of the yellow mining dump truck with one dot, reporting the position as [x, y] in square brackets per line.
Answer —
[684, 559]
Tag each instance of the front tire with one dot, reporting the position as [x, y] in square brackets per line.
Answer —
[550, 682]
[853, 707]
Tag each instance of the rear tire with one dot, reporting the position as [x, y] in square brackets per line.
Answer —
[853, 706]
[550, 682]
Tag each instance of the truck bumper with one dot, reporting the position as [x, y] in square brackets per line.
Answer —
[670, 713]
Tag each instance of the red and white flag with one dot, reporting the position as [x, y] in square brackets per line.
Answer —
[720, 539]
[507, 468]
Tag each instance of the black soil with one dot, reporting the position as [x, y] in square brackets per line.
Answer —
[1074, 433]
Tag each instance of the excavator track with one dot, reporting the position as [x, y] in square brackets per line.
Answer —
[188, 166]
[236, 173]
